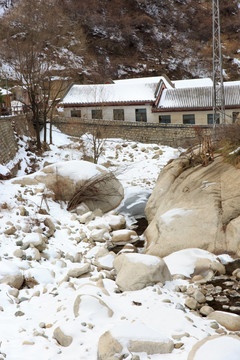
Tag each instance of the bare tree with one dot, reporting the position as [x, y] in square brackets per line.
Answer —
[34, 40]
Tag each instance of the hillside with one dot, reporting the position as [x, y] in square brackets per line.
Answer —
[113, 39]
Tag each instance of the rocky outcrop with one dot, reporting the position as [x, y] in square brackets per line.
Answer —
[195, 206]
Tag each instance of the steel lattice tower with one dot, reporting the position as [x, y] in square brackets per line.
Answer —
[218, 89]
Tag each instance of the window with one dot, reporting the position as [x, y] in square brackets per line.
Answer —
[165, 119]
[75, 113]
[210, 119]
[97, 114]
[189, 119]
[118, 114]
[141, 115]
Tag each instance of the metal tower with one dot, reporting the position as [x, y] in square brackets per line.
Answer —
[218, 89]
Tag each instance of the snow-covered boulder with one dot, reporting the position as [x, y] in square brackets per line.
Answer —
[216, 347]
[124, 236]
[195, 206]
[63, 179]
[136, 271]
[124, 339]
[190, 262]
[10, 274]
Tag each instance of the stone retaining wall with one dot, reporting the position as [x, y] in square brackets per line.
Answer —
[10, 128]
[166, 134]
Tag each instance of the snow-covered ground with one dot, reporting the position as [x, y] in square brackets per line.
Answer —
[29, 317]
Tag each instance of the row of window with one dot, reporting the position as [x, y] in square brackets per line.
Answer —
[187, 119]
[141, 115]
[118, 114]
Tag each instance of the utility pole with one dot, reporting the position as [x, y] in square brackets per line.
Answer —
[218, 88]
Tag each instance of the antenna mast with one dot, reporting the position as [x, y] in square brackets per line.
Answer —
[218, 89]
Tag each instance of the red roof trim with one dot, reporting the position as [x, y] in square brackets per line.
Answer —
[191, 109]
[120, 103]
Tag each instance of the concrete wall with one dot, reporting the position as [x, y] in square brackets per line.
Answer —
[10, 128]
[172, 135]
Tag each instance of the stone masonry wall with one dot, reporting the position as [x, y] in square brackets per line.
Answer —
[10, 128]
[174, 135]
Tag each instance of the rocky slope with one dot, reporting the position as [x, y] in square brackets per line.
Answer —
[113, 39]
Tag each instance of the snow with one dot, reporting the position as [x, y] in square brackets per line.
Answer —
[219, 349]
[192, 83]
[147, 260]
[29, 319]
[183, 261]
[169, 215]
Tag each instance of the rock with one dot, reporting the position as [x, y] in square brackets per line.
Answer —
[136, 271]
[184, 208]
[36, 240]
[62, 339]
[121, 237]
[199, 297]
[23, 211]
[10, 231]
[10, 274]
[99, 235]
[116, 222]
[62, 183]
[191, 303]
[18, 253]
[216, 347]
[128, 248]
[92, 305]
[87, 217]
[206, 310]
[106, 262]
[108, 347]
[230, 321]
[51, 227]
[77, 272]
[136, 337]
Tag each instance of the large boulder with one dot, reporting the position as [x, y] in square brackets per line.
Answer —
[230, 321]
[136, 271]
[195, 206]
[65, 178]
[117, 343]
[216, 347]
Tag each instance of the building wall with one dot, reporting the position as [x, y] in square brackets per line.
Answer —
[107, 111]
[200, 116]
[173, 135]
[152, 117]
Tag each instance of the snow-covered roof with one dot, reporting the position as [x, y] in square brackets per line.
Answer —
[197, 97]
[4, 92]
[192, 83]
[110, 93]
[193, 93]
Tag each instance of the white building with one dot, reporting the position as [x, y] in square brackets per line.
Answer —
[151, 99]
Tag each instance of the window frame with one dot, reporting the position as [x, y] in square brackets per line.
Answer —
[188, 119]
[97, 111]
[210, 119]
[77, 111]
[167, 119]
[119, 113]
[141, 112]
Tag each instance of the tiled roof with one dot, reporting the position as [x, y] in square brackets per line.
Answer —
[197, 97]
